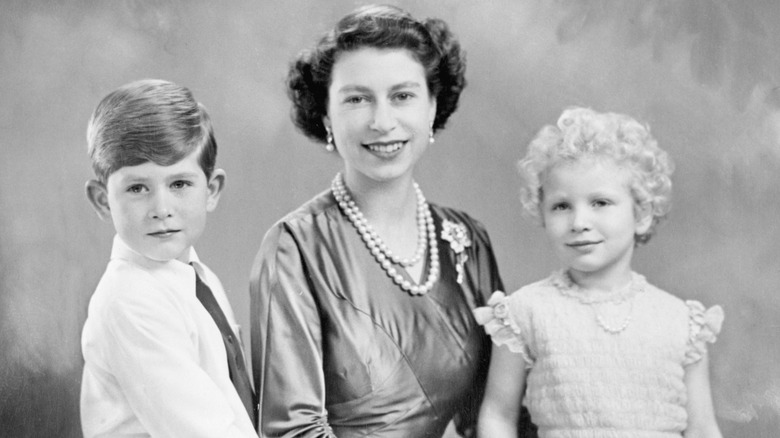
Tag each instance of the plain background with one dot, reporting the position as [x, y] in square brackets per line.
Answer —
[702, 74]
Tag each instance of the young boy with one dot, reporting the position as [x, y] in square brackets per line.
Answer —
[160, 350]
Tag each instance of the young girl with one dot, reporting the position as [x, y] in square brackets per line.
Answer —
[595, 350]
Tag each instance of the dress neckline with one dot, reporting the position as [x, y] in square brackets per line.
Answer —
[567, 287]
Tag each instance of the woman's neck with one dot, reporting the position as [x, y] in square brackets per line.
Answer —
[385, 204]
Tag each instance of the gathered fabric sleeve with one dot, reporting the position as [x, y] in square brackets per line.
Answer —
[151, 355]
[499, 322]
[286, 342]
[704, 327]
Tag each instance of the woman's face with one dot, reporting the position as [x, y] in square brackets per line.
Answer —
[380, 112]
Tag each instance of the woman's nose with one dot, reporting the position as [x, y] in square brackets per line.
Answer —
[383, 118]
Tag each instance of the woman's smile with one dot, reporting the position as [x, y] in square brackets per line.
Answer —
[385, 148]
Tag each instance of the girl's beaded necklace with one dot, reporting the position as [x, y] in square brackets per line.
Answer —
[567, 287]
[383, 255]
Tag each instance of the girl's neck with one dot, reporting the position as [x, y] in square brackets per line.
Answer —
[607, 280]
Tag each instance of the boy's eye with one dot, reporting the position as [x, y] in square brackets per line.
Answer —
[559, 206]
[136, 188]
[180, 184]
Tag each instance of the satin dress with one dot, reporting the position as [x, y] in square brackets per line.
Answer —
[338, 349]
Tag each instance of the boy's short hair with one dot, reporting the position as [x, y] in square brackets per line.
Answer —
[149, 120]
[584, 133]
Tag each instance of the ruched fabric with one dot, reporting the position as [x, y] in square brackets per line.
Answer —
[585, 381]
[340, 350]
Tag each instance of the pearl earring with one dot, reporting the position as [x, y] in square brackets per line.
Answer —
[330, 147]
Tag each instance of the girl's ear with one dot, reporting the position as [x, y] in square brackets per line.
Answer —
[215, 186]
[644, 218]
[97, 194]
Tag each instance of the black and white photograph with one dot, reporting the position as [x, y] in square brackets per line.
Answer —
[405, 218]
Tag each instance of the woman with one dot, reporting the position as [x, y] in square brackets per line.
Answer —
[349, 339]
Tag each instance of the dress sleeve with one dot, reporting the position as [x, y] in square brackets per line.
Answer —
[152, 356]
[286, 342]
[704, 326]
[502, 328]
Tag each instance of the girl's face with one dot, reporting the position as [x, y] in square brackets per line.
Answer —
[590, 220]
[380, 112]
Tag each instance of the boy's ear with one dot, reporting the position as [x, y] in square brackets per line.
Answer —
[97, 194]
[216, 184]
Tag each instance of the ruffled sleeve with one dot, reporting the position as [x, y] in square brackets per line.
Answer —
[704, 326]
[499, 324]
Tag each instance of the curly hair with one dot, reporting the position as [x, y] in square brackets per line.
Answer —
[583, 133]
[386, 27]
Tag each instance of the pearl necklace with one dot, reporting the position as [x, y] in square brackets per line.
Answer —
[568, 288]
[614, 330]
[383, 255]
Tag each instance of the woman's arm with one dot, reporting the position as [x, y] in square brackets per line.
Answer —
[500, 409]
[701, 414]
[286, 343]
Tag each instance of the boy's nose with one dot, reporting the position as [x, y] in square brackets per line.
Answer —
[384, 118]
[160, 208]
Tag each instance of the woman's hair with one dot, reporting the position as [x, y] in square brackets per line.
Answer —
[149, 120]
[582, 133]
[383, 27]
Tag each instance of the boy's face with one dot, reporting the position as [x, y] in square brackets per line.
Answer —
[159, 211]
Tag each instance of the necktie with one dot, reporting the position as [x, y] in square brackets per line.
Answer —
[235, 359]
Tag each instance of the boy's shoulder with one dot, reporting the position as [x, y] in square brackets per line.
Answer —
[125, 282]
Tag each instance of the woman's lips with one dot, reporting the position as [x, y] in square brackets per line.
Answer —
[385, 147]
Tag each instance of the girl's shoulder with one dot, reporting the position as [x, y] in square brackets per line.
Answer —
[703, 323]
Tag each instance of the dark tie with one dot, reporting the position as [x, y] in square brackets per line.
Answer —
[235, 358]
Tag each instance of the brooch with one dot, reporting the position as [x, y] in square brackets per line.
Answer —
[458, 236]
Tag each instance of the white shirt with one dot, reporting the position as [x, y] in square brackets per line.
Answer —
[155, 362]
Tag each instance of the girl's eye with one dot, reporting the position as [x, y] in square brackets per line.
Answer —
[601, 203]
[560, 206]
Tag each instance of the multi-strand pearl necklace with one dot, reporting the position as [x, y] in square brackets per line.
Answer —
[383, 255]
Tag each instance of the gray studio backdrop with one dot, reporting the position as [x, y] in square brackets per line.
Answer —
[703, 74]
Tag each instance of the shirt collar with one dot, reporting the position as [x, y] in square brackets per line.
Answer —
[122, 251]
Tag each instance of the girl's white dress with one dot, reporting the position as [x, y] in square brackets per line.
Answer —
[622, 377]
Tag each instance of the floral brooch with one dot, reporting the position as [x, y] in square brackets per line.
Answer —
[458, 236]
